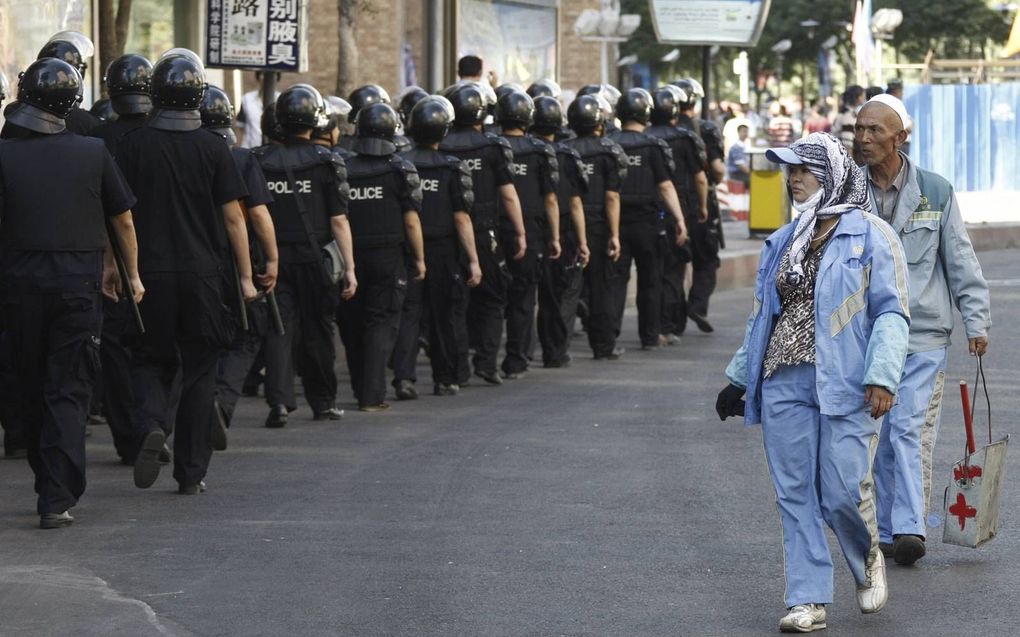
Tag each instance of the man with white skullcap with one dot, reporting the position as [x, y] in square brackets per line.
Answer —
[944, 272]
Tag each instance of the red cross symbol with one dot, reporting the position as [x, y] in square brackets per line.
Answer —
[962, 510]
[966, 472]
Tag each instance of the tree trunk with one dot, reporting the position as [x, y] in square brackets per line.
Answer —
[347, 59]
[123, 22]
[108, 44]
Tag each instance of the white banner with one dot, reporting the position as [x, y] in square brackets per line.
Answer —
[709, 22]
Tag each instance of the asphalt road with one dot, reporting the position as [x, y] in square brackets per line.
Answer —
[602, 500]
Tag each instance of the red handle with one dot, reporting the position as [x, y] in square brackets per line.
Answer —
[968, 422]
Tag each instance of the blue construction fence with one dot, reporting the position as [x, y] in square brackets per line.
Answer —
[970, 134]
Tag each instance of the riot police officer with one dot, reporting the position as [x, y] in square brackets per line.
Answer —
[451, 259]
[605, 166]
[188, 189]
[309, 186]
[336, 108]
[385, 200]
[692, 188]
[217, 116]
[649, 181]
[536, 175]
[488, 157]
[610, 95]
[358, 99]
[706, 236]
[52, 242]
[563, 278]
[128, 80]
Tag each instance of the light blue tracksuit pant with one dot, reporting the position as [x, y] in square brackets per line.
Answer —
[821, 469]
[903, 460]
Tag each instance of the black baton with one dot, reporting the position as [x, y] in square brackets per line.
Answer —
[274, 312]
[118, 258]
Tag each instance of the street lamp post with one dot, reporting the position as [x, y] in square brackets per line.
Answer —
[780, 48]
[883, 24]
[606, 26]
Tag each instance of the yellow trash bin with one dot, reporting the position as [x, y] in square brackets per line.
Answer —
[770, 204]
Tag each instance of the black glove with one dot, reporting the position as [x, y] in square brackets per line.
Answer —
[730, 402]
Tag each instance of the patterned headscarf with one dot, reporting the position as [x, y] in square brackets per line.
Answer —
[844, 188]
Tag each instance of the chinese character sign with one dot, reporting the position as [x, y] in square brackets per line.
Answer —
[264, 34]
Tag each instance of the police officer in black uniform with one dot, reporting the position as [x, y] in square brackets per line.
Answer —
[385, 200]
[692, 188]
[217, 116]
[358, 99]
[706, 236]
[536, 175]
[488, 157]
[103, 109]
[309, 187]
[609, 95]
[188, 189]
[563, 278]
[73, 48]
[52, 243]
[336, 108]
[605, 166]
[451, 259]
[128, 80]
[649, 181]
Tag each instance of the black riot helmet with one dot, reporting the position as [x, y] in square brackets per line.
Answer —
[506, 89]
[635, 106]
[430, 120]
[217, 113]
[585, 115]
[366, 96]
[270, 127]
[301, 106]
[103, 109]
[692, 89]
[66, 51]
[48, 91]
[178, 84]
[129, 81]
[666, 104]
[544, 88]
[468, 106]
[334, 109]
[515, 109]
[377, 124]
[411, 96]
[548, 115]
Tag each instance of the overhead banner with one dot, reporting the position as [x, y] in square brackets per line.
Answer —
[258, 34]
[709, 22]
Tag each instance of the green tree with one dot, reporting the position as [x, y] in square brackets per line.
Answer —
[952, 28]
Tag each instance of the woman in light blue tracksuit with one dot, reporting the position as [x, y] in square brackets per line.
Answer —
[821, 359]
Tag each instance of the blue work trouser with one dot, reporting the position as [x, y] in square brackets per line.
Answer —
[821, 469]
[903, 460]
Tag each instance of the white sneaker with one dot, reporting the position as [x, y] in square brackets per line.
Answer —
[873, 597]
[803, 618]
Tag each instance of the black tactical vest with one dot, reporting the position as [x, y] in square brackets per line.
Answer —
[533, 161]
[477, 151]
[639, 195]
[571, 172]
[603, 163]
[40, 214]
[446, 188]
[377, 186]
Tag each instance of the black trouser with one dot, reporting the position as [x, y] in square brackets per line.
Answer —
[521, 297]
[237, 360]
[10, 419]
[640, 242]
[599, 280]
[186, 329]
[369, 321]
[705, 263]
[306, 307]
[405, 349]
[446, 303]
[54, 345]
[558, 294]
[118, 393]
[487, 301]
[674, 271]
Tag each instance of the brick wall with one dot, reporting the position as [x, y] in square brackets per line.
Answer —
[579, 62]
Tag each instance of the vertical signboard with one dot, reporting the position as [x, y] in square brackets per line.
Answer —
[258, 34]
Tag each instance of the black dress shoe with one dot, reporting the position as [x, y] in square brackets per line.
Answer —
[15, 453]
[405, 390]
[907, 549]
[445, 390]
[514, 375]
[218, 435]
[887, 548]
[191, 489]
[329, 414]
[55, 520]
[490, 377]
[165, 457]
[147, 463]
[701, 321]
[615, 355]
[557, 364]
[277, 417]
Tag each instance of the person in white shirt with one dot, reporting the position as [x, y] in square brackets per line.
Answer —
[249, 117]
